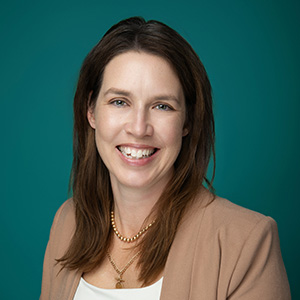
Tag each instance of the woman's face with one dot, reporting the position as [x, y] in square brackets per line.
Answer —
[139, 119]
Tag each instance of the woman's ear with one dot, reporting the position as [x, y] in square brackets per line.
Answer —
[185, 131]
[91, 117]
[91, 112]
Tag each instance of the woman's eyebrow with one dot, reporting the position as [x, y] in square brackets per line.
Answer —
[166, 97]
[117, 91]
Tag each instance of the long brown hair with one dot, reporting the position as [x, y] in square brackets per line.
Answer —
[92, 194]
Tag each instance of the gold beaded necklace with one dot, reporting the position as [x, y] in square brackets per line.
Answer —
[125, 239]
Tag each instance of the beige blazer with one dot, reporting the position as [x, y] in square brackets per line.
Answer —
[221, 251]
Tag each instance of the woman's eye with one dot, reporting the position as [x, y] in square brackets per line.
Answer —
[163, 107]
[119, 103]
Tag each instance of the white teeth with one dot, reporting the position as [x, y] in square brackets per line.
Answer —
[133, 153]
[137, 154]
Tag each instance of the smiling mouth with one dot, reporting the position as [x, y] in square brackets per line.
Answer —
[134, 153]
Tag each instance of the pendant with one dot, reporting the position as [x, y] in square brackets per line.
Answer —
[119, 284]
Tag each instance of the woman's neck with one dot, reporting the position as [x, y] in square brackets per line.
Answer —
[133, 205]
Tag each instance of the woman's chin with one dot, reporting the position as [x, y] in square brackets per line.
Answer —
[134, 182]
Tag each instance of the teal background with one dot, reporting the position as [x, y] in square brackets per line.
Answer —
[251, 53]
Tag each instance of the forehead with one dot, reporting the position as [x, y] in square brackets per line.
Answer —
[141, 71]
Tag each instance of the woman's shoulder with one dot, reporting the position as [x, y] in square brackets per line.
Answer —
[65, 214]
[63, 225]
[227, 212]
[231, 214]
[227, 218]
[228, 248]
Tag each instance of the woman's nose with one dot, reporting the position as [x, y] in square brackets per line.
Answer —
[139, 124]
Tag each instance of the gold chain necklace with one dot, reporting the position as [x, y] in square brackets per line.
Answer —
[125, 239]
[119, 284]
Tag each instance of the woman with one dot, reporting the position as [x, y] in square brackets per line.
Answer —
[141, 224]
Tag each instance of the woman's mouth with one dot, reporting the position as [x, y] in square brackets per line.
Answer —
[135, 153]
